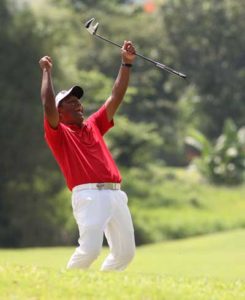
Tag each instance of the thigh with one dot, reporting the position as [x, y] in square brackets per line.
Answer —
[90, 208]
[121, 212]
[119, 230]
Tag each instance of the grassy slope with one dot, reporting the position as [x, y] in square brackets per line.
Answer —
[217, 255]
[204, 268]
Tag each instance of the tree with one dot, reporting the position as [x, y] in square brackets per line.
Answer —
[27, 208]
[209, 44]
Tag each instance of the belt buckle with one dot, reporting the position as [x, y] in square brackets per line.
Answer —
[100, 186]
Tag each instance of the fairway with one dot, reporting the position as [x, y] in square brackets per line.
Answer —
[208, 267]
[219, 255]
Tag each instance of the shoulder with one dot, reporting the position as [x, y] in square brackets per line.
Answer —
[100, 113]
[100, 120]
[54, 133]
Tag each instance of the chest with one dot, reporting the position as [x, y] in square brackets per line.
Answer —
[88, 136]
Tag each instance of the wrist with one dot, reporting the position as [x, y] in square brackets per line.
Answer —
[127, 65]
[47, 70]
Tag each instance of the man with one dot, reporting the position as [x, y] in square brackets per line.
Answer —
[99, 206]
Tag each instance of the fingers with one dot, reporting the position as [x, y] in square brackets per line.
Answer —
[128, 46]
[45, 63]
[46, 59]
[128, 52]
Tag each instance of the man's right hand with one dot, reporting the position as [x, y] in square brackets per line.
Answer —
[46, 63]
[47, 92]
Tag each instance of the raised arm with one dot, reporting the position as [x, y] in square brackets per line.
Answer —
[47, 92]
[121, 83]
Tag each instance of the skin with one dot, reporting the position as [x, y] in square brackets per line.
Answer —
[70, 110]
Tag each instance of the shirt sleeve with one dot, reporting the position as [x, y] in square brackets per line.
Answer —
[100, 119]
[52, 136]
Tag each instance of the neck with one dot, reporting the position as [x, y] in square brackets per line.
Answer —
[78, 124]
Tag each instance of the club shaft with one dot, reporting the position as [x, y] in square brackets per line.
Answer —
[109, 41]
[157, 64]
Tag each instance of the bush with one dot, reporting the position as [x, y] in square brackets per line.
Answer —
[175, 203]
[223, 162]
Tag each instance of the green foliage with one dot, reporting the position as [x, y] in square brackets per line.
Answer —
[27, 210]
[201, 38]
[173, 204]
[224, 162]
[38, 217]
[209, 44]
[134, 145]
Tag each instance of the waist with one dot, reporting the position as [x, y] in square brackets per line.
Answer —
[97, 186]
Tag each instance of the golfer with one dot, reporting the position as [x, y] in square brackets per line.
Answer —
[99, 205]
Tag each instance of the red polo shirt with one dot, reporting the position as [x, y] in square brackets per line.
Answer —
[81, 152]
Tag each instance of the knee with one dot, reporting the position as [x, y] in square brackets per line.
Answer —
[92, 256]
[125, 258]
[82, 260]
[117, 263]
[128, 257]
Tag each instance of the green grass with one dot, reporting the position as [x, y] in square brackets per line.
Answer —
[204, 268]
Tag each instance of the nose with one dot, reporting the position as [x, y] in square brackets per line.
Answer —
[77, 103]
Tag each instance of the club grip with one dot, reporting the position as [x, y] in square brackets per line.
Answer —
[164, 67]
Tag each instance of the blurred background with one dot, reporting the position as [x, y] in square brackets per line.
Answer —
[180, 144]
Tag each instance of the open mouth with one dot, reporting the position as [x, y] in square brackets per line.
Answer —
[80, 114]
[79, 110]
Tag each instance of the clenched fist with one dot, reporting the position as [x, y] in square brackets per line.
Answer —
[128, 52]
[46, 63]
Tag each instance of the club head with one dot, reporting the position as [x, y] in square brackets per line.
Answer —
[90, 27]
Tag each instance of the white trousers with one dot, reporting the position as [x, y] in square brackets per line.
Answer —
[98, 212]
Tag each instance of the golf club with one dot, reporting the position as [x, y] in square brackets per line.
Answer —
[92, 29]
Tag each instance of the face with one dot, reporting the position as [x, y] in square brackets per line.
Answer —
[71, 111]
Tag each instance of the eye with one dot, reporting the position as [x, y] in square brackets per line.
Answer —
[71, 102]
